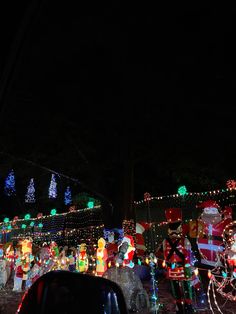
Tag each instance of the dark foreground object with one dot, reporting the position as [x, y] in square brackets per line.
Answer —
[65, 292]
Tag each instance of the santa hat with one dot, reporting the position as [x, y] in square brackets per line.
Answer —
[209, 203]
[142, 226]
[128, 238]
[173, 215]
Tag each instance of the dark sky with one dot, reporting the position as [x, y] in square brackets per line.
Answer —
[98, 87]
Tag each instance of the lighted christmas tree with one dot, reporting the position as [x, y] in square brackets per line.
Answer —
[68, 197]
[52, 192]
[30, 195]
[10, 188]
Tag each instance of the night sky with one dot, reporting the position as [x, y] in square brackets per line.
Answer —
[97, 90]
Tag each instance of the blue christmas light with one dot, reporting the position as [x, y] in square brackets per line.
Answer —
[173, 266]
[224, 274]
[52, 192]
[68, 197]
[30, 195]
[10, 188]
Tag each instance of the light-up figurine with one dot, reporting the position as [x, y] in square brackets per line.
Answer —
[82, 259]
[101, 257]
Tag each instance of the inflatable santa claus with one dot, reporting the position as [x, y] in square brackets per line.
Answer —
[213, 222]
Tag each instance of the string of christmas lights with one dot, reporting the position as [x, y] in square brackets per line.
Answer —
[182, 194]
[56, 226]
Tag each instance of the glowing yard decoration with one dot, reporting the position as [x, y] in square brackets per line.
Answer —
[67, 197]
[53, 212]
[210, 240]
[10, 184]
[52, 192]
[6, 220]
[224, 283]
[231, 184]
[147, 197]
[27, 216]
[182, 190]
[90, 204]
[26, 246]
[229, 236]
[30, 195]
[101, 257]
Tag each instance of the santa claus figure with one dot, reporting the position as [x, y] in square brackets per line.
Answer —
[140, 242]
[210, 241]
[112, 247]
[126, 251]
[178, 260]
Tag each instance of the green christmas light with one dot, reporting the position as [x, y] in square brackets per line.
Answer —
[90, 204]
[6, 220]
[53, 212]
[27, 216]
[182, 190]
[9, 227]
[31, 224]
[40, 225]
[23, 226]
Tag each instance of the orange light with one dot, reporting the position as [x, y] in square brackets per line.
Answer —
[209, 274]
